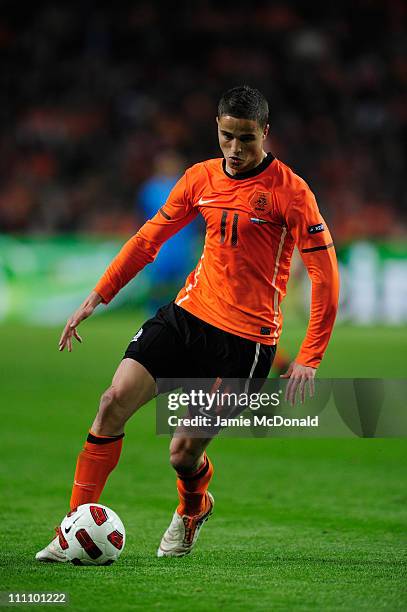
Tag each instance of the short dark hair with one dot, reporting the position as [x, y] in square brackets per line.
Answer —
[244, 102]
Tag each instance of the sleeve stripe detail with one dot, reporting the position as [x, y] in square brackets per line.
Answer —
[164, 214]
[319, 248]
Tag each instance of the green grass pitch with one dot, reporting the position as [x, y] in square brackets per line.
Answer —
[298, 524]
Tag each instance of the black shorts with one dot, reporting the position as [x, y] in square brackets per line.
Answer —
[175, 345]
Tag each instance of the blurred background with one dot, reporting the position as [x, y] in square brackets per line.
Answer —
[104, 106]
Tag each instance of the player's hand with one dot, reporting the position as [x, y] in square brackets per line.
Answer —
[299, 377]
[84, 311]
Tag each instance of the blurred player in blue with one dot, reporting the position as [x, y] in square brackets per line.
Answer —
[178, 255]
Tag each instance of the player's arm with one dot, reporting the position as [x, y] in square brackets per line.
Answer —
[315, 245]
[136, 253]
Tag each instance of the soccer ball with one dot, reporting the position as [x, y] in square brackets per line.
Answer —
[92, 535]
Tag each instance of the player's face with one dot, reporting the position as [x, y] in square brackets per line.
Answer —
[241, 141]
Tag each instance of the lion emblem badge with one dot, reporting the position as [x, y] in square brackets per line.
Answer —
[260, 203]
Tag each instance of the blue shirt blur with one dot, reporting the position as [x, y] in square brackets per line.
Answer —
[176, 258]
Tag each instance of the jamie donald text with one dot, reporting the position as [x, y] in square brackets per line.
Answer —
[218, 410]
[242, 421]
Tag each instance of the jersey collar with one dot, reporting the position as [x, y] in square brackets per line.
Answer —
[253, 172]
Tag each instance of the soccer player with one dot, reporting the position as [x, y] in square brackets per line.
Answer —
[226, 320]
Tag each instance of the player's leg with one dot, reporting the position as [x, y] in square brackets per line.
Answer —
[132, 386]
[194, 473]
[229, 363]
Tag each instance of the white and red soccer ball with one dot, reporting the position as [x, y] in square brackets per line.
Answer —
[92, 535]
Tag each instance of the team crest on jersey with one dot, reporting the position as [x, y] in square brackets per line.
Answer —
[260, 203]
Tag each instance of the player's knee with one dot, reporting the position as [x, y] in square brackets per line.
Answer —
[108, 401]
[111, 409]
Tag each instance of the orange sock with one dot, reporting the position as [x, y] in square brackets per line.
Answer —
[192, 489]
[95, 462]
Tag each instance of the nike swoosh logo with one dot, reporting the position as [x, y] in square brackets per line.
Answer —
[84, 484]
[202, 201]
[68, 529]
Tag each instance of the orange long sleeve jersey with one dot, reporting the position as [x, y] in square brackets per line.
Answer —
[253, 220]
